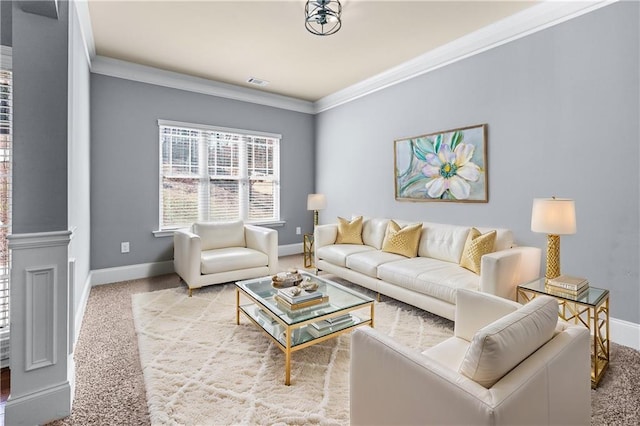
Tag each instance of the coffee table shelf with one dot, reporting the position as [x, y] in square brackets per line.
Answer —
[288, 329]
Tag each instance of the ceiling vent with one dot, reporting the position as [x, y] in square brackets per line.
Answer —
[257, 81]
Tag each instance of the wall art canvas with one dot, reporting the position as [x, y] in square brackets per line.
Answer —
[450, 165]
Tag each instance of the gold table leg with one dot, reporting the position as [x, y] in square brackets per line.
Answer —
[287, 359]
[371, 315]
[237, 306]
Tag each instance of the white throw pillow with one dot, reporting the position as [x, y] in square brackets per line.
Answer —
[214, 235]
[498, 347]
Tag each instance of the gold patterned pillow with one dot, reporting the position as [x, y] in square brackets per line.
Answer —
[402, 241]
[349, 232]
[476, 246]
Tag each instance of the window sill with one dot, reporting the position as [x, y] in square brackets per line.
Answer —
[161, 233]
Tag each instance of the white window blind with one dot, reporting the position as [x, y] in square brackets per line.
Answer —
[217, 174]
[6, 119]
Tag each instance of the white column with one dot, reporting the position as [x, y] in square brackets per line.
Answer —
[42, 370]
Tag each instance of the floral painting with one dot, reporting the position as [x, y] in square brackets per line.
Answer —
[446, 166]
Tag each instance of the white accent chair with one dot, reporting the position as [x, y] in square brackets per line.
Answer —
[491, 372]
[219, 252]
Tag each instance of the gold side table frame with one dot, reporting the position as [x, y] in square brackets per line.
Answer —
[590, 309]
[308, 251]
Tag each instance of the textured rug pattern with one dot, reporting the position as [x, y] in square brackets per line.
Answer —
[200, 367]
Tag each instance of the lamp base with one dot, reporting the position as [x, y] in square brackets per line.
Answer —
[315, 218]
[553, 256]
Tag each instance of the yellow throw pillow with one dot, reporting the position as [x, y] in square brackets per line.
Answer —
[476, 246]
[349, 232]
[402, 241]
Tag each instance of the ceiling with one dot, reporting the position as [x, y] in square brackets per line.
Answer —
[231, 41]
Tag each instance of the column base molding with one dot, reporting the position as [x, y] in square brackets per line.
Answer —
[53, 403]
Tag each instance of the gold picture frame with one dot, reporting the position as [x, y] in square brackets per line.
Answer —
[445, 166]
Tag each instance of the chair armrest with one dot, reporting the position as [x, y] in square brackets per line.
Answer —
[264, 240]
[392, 385]
[187, 250]
[502, 271]
[475, 309]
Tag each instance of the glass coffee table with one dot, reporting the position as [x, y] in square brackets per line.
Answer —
[291, 330]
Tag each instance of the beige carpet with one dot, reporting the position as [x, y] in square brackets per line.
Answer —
[110, 389]
[200, 368]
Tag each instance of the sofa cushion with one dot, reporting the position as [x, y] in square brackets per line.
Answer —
[476, 246]
[215, 235]
[367, 262]
[231, 259]
[443, 242]
[498, 347]
[403, 240]
[349, 232]
[337, 253]
[432, 277]
[373, 230]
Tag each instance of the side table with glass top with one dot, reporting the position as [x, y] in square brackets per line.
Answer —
[589, 308]
[308, 251]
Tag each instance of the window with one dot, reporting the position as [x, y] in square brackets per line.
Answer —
[6, 119]
[216, 174]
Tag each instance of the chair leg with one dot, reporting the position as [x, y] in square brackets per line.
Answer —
[190, 292]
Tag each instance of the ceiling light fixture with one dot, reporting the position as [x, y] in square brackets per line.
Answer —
[322, 17]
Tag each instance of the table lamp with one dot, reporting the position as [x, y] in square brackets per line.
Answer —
[554, 217]
[316, 202]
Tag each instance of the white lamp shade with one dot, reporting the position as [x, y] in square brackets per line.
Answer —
[556, 216]
[316, 202]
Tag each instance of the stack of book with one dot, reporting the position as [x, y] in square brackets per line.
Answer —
[293, 298]
[566, 285]
[329, 325]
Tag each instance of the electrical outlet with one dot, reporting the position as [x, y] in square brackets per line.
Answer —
[298, 230]
[124, 247]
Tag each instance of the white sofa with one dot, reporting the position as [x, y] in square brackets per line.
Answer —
[547, 385]
[430, 280]
[220, 252]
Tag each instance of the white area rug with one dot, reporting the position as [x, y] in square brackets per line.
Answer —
[200, 368]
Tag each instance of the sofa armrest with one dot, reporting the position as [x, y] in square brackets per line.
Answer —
[475, 310]
[392, 385]
[264, 240]
[323, 235]
[503, 270]
[187, 249]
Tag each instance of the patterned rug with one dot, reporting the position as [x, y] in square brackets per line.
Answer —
[200, 368]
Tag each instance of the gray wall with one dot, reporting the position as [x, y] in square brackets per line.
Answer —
[5, 23]
[562, 108]
[40, 121]
[78, 173]
[125, 156]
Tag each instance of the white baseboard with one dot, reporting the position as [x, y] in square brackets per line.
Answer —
[625, 333]
[290, 249]
[84, 299]
[130, 272]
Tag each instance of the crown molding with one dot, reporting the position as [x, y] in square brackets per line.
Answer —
[82, 11]
[145, 74]
[522, 24]
[529, 21]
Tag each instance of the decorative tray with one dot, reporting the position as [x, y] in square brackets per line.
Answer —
[286, 279]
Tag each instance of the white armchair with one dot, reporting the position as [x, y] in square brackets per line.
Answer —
[491, 372]
[214, 253]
